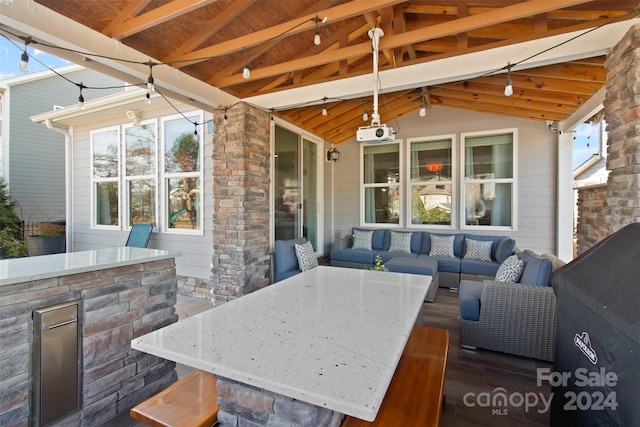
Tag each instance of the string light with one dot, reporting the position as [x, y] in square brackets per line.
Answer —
[151, 87]
[24, 57]
[246, 73]
[316, 37]
[365, 113]
[147, 100]
[81, 98]
[225, 120]
[423, 110]
[324, 107]
[508, 86]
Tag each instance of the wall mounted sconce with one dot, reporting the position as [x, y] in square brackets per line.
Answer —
[332, 154]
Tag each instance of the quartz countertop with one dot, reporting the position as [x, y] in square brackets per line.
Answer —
[330, 336]
[17, 270]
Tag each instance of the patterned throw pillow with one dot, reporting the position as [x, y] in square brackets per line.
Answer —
[510, 270]
[442, 246]
[362, 239]
[400, 242]
[478, 249]
[306, 256]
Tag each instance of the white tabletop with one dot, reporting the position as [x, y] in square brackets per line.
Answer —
[27, 269]
[330, 336]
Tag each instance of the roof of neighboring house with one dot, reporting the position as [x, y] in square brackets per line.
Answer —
[26, 78]
[591, 173]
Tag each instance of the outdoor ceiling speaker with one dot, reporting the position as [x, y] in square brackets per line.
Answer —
[380, 133]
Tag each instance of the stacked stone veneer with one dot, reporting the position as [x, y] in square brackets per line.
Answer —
[244, 405]
[622, 112]
[241, 162]
[591, 227]
[117, 305]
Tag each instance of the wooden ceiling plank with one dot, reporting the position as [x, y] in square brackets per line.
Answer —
[131, 9]
[156, 16]
[304, 23]
[512, 101]
[463, 24]
[500, 109]
[222, 19]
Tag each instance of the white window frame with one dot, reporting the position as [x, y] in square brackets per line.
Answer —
[453, 182]
[94, 180]
[401, 185]
[164, 177]
[125, 199]
[513, 181]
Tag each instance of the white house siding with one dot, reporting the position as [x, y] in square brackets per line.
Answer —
[536, 174]
[35, 155]
[196, 250]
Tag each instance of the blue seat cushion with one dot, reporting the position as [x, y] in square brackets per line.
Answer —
[408, 265]
[483, 268]
[286, 274]
[469, 298]
[285, 256]
[386, 255]
[448, 265]
[360, 256]
[537, 270]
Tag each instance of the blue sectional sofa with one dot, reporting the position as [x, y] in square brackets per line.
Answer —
[450, 268]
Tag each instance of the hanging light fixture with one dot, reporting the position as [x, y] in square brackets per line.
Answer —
[324, 107]
[508, 86]
[225, 119]
[24, 57]
[246, 73]
[147, 100]
[423, 110]
[81, 98]
[365, 113]
[151, 87]
[316, 36]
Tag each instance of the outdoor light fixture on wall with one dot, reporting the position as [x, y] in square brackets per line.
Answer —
[333, 154]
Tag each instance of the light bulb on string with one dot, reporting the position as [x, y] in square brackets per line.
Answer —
[81, 98]
[324, 107]
[24, 56]
[151, 87]
[225, 119]
[24, 61]
[246, 73]
[365, 114]
[423, 110]
[316, 36]
[508, 86]
[147, 100]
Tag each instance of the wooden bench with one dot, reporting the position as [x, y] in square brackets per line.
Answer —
[189, 402]
[416, 393]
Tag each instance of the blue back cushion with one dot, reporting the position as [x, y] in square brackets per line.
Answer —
[537, 270]
[139, 235]
[495, 241]
[458, 243]
[285, 254]
[378, 239]
[505, 249]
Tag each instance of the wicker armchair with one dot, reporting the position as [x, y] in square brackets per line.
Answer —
[514, 318]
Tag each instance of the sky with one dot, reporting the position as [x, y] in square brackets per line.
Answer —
[10, 52]
[586, 136]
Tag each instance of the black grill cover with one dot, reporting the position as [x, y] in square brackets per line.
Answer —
[598, 335]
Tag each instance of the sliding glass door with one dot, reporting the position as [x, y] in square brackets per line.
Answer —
[295, 187]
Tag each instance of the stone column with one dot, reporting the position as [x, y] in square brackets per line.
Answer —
[622, 112]
[241, 154]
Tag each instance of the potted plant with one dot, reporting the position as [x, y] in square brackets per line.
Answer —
[49, 238]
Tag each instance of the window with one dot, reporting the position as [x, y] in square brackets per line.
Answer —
[106, 171]
[431, 181]
[488, 191]
[128, 186]
[182, 174]
[381, 184]
[140, 173]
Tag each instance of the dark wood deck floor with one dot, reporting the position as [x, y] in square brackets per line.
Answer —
[477, 375]
[474, 374]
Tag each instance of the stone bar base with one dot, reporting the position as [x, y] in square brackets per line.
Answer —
[243, 405]
[117, 305]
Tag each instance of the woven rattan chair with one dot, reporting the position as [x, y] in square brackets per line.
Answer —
[514, 318]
